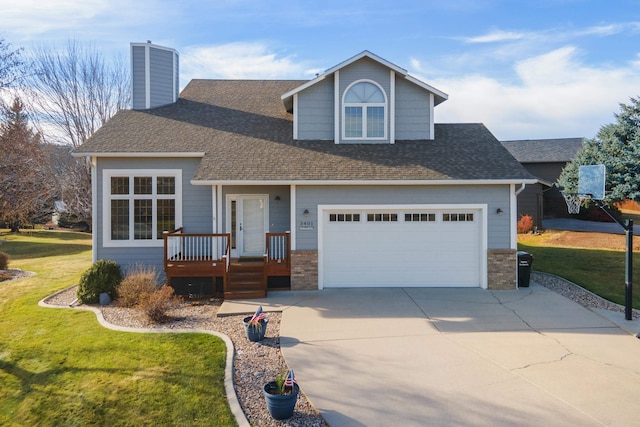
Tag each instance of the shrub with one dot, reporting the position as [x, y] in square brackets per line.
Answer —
[5, 276]
[525, 224]
[4, 261]
[138, 281]
[156, 304]
[103, 276]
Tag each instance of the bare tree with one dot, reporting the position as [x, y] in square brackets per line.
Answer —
[25, 186]
[11, 65]
[75, 91]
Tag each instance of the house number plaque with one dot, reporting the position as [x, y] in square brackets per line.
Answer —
[306, 225]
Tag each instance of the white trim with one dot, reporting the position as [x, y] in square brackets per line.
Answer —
[147, 77]
[173, 74]
[364, 106]
[106, 205]
[181, 154]
[336, 108]
[214, 209]
[219, 215]
[304, 86]
[369, 182]
[146, 44]
[482, 207]
[392, 107]
[513, 217]
[432, 125]
[94, 209]
[428, 87]
[292, 215]
[295, 116]
[401, 71]
[131, 77]
[237, 197]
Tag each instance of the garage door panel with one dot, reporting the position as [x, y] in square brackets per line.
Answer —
[399, 253]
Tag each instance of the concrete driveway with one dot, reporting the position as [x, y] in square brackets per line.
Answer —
[472, 357]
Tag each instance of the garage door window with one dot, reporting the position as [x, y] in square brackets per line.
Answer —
[457, 217]
[382, 217]
[419, 217]
[347, 217]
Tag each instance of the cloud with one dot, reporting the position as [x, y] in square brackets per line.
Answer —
[34, 17]
[240, 61]
[554, 95]
[496, 36]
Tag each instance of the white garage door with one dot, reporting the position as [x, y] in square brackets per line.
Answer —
[401, 247]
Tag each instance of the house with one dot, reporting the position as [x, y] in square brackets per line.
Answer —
[544, 159]
[344, 180]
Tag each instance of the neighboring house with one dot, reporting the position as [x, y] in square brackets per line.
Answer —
[341, 181]
[545, 159]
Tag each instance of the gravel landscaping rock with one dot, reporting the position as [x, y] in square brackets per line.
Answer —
[576, 293]
[16, 273]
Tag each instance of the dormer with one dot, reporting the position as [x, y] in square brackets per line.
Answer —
[363, 100]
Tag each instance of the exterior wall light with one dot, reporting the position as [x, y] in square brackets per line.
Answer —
[499, 211]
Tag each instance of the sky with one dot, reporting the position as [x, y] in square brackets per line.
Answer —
[526, 69]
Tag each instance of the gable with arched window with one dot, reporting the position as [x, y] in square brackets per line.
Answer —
[364, 112]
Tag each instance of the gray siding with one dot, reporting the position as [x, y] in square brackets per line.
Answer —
[369, 70]
[315, 111]
[412, 111]
[278, 209]
[196, 209]
[495, 196]
[162, 77]
[138, 81]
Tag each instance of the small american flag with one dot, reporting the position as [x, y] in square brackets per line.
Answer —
[257, 316]
[291, 379]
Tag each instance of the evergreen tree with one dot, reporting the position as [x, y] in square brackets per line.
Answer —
[617, 146]
[24, 182]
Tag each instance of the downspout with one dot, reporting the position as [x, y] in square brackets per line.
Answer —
[521, 189]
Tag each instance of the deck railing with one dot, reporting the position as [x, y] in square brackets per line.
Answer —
[180, 247]
[278, 254]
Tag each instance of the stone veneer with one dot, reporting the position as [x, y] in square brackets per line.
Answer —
[501, 269]
[304, 270]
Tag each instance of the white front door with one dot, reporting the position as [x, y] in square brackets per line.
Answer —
[248, 220]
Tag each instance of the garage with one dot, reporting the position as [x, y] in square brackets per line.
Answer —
[415, 246]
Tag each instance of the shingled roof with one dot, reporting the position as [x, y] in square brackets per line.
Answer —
[559, 150]
[246, 134]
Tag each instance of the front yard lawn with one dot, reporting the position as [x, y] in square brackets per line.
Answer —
[595, 261]
[60, 367]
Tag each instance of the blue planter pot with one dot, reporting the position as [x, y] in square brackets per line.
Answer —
[254, 332]
[280, 407]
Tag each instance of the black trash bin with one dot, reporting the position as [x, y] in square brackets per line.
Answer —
[525, 259]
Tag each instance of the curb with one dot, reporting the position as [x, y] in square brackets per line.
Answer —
[229, 389]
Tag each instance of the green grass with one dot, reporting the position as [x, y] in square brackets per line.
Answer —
[60, 367]
[601, 271]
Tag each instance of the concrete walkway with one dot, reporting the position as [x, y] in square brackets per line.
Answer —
[442, 357]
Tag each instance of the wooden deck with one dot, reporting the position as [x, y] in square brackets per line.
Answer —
[208, 255]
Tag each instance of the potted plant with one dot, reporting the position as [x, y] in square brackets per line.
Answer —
[255, 326]
[281, 395]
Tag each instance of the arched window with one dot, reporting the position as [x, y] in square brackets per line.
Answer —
[364, 112]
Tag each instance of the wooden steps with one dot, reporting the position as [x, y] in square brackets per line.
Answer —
[245, 279]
